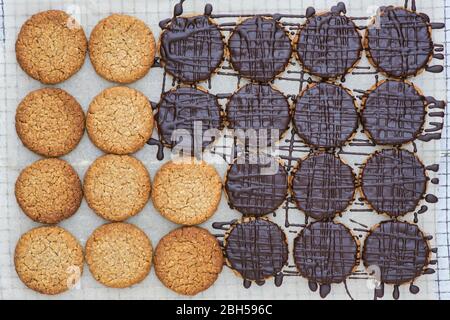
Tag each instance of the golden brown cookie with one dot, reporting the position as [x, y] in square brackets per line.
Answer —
[122, 48]
[117, 187]
[119, 255]
[187, 192]
[50, 122]
[120, 120]
[188, 260]
[49, 191]
[51, 46]
[49, 260]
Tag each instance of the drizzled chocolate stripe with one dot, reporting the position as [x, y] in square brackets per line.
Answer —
[191, 48]
[181, 108]
[399, 42]
[329, 44]
[260, 107]
[259, 48]
[325, 253]
[323, 186]
[393, 182]
[399, 250]
[393, 113]
[256, 248]
[256, 188]
[325, 115]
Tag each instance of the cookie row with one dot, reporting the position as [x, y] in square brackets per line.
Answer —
[324, 115]
[50, 121]
[51, 47]
[50, 259]
[328, 45]
[392, 181]
[188, 192]
[326, 253]
[122, 48]
[117, 187]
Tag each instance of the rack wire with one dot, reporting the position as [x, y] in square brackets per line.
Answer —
[13, 85]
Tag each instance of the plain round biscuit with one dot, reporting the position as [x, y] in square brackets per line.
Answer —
[51, 46]
[120, 120]
[122, 48]
[117, 187]
[49, 260]
[49, 191]
[185, 192]
[119, 255]
[50, 122]
[188, 260]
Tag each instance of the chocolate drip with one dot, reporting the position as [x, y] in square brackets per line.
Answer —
[430, 136]
[325, 252]
[325, 115]
[434, 69]
[191, 48]
[399, 249]
[435, 181]
[323, 186]
[260, 48]
[414, 289]
[259, 107]
[256, 188]
[393, 113]
[433, 167]
[182, 108]
[257, 249]
[329, 44]
[402, 44]
[393, 181]
[160, 145]
[431, 198]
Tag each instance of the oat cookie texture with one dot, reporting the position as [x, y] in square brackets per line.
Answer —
[49, 260]
[117, 187]
[120, 120]
[50, 122]
[119, 255]
[186, 191]
[122, 48]
[51, 46]
[188, 260]
[49, 191]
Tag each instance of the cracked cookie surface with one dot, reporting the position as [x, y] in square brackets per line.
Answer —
[50, 122]
[49, 191]
[119, 255]
[49, 260]
[122, 48]
[188, 260]
[120, 120]
[51, 46]
[187, 192]
[117, 187]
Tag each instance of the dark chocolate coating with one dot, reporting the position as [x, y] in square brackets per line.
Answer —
[259, 48]
[329, 45]
[393, 182]
[323, 186]
[325, 115]
[256, 188]
[191, 48]
[256, 249]
[393, 113]
[260, 107]
[399, 249]
[399, 43]
[325, 252]
[181, 108]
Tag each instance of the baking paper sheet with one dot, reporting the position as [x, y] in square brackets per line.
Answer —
[86, 84]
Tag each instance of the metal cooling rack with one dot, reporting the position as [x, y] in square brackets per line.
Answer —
[294, 220]
[292, 148]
